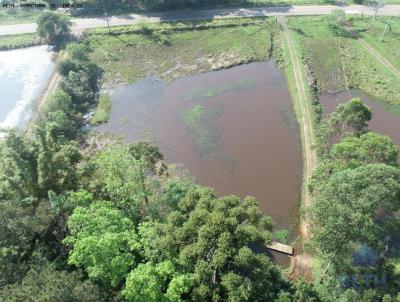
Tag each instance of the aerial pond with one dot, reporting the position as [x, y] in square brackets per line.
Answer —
[233, 129]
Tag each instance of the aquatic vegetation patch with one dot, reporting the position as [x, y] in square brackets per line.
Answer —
[102, 112]
[211, 92]
[201, 123]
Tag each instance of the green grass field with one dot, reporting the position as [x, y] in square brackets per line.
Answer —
[339, 61]
[383, 34]
[172, 50]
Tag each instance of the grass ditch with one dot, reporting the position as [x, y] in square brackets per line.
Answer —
[8, 42]
[170, 50]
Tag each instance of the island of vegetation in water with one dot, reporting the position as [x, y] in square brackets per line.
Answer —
[85, 217]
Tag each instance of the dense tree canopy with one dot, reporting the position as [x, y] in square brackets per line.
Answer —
[53, 27]
[346, 207]
[47, 284]
[103, 242]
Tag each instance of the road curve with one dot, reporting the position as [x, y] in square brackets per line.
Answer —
[80, 25]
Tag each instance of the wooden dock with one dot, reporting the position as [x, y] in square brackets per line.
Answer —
[282, 248]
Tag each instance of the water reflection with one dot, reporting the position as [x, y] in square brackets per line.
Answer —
[234, 130]
[23, 74]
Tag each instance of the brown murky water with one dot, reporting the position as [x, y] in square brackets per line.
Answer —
[247, 142]
[383, 121]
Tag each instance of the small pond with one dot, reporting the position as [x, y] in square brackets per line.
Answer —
[233, 129]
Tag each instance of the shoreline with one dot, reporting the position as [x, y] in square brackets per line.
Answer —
[49, 88]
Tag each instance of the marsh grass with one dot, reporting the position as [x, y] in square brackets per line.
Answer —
[103, 111]
[201, 123]
[172, 50]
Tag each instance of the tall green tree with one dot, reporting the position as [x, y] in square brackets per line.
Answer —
[368, 148]
[212, 241]
[53, 27]
[126, 177]
[18, 166]
[350, 118]
[354, 206]
[103, 242]
[43, 284]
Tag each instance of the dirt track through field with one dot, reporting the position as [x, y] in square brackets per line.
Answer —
[381, 58]
[306, 122]
[303, 262]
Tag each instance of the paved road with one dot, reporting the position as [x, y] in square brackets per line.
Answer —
[85, 23]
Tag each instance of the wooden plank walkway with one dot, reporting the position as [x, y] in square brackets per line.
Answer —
[283, 248]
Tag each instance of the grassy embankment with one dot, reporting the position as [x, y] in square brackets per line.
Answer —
[341, 62]
[175, 49]
[302, 95]
[19, 41]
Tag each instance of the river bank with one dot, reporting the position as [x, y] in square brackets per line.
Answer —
[51, 86]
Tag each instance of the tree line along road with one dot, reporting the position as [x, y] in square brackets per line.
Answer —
[80, 25]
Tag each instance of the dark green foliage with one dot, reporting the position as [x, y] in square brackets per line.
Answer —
[78, 52]
[68, 65]
[146, 152]
[18, 166]
[211, 240]
[368, 148]
[356, 189]
[350, 118]
[78, 85]
[346, 207]
[47, 284]
[56, 161]
[22, 222]
[52, 27]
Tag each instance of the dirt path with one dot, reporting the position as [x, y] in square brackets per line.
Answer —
[306, 123]
[380, 58]
[52, 85]
[303, 263]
